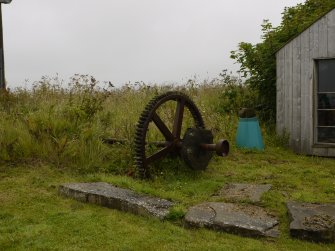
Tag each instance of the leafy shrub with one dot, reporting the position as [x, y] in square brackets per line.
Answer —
[258, 62]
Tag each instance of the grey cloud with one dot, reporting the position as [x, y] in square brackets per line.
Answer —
[129, 40]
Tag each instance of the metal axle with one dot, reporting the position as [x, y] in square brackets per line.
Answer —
[221, 147]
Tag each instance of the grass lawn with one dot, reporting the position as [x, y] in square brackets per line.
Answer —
[34, 217]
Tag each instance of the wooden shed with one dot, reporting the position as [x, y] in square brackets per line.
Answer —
[306, 89]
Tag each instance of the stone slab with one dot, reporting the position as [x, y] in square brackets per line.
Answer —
[237, 191]
[314, 222]
[245, 220]
[107, 195]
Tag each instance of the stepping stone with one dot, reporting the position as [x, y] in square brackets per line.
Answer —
[239, 191]
[106, 195]
[244, 220]
[313, 222]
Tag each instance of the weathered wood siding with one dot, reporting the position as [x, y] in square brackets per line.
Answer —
[296, 85]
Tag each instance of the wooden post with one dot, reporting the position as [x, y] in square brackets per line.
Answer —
[2, 57]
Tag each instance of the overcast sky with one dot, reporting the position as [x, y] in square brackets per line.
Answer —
[159, 41]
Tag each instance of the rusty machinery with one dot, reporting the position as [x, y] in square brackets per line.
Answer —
[195, 146]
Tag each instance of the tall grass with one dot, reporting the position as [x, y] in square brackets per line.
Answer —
[65, 125]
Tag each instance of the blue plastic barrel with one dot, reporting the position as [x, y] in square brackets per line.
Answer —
[249, 134]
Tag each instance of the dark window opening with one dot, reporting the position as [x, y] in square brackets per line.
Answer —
[325, 101]
[326, 75]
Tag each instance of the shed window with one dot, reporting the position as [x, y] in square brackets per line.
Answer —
[326, 101]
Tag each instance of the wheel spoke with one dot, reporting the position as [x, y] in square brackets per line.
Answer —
[178, 120]
[162, 127]
[160, 154]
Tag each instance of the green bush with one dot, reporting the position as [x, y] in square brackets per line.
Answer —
[258, 61]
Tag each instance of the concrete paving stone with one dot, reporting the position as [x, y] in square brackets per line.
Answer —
[126, 200]
[311, 221]
[245, 220]
[238, 192]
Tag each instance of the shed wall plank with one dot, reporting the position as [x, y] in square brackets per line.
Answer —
[318, 151]
[280, 92]
[288, 90]
[315, 50]
[296, 95]
[305, 82]
[323, 37]
[285, 119]
[331, 33]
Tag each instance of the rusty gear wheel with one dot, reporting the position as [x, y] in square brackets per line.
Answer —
[172, 138]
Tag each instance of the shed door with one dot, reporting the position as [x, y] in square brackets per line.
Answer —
[325, 125]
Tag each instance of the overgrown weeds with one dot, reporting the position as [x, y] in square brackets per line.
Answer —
[64, 125]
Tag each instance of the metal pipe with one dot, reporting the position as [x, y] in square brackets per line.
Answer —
[221, 148]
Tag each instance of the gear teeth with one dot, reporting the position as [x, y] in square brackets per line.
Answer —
[145, 118]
